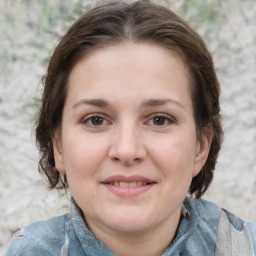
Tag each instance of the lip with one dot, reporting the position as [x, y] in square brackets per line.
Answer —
[128, 191]
[121, 178]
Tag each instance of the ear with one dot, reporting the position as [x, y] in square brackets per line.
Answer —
[202, 150]
[58, 152]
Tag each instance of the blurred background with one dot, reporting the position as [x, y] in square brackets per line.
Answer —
[29, 31]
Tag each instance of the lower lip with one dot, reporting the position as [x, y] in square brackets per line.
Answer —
[128, 191]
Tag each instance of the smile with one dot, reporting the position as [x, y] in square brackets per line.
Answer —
[128, 186]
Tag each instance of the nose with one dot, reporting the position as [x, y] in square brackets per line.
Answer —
[127, 146]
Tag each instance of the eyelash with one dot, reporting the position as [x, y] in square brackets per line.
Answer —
[89, 120]
[103, 121]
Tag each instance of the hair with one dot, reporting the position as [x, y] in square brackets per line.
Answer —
[140, 22]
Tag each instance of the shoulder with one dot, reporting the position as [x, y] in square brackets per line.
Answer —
[252, 230]
[224, 227]
[235, 235]
[40, 238]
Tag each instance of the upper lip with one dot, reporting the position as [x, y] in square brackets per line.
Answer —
[121, 178]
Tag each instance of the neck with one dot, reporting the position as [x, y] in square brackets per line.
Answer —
[152, 242]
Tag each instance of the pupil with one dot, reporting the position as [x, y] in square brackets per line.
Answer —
[159, 120]
[97, 120]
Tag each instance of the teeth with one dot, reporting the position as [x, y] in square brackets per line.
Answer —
[129, 184]
[133, 184]
[124, 184]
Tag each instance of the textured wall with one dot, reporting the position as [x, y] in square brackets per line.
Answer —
[28, 32]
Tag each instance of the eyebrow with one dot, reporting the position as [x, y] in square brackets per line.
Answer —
[148, 103]
[160, 102]
[93, 102]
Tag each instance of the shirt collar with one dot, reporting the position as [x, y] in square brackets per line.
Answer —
[93, 246]
[90, 243]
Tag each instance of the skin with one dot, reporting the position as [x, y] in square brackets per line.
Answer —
[129, 112]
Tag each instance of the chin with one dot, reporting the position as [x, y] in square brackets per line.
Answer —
[131, 227]
[130, 222]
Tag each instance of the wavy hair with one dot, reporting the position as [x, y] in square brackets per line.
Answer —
[117, 22]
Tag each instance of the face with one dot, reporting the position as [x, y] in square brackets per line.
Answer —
[128, 142]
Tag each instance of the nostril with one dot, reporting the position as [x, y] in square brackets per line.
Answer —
[126, 161]
[116, 159]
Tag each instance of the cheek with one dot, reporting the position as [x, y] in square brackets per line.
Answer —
[82, 162]
[83, 154]
[175, 156]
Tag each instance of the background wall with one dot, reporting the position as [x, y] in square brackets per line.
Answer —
[29, 31]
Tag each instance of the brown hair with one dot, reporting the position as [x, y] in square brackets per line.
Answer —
[117, 22]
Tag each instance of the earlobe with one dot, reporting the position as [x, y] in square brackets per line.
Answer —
[202, 150]
[58, 154]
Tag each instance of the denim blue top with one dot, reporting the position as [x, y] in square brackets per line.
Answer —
[205, 230]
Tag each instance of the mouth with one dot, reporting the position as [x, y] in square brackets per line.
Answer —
[132, 184]
[128, 186]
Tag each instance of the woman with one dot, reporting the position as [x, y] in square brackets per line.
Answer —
[130, 124]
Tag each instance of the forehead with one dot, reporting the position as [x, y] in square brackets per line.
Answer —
[137, 67]
[148, 58]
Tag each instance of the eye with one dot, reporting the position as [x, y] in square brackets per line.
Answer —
[161, 120]
[95, 121]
